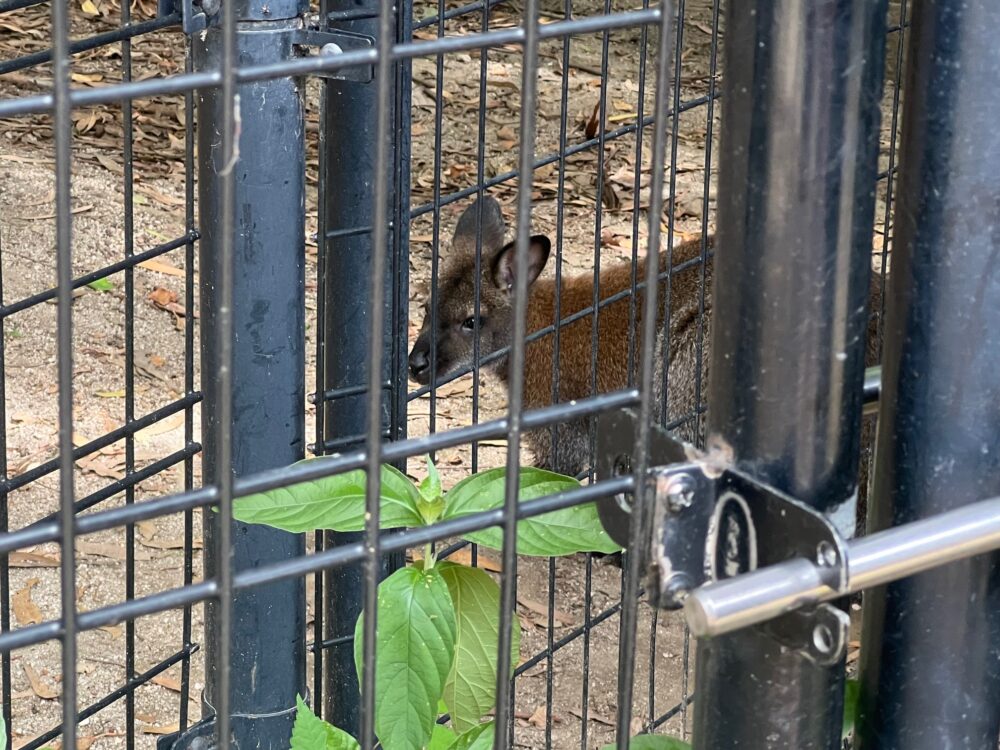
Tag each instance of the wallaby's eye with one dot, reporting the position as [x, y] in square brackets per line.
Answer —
[469, 324]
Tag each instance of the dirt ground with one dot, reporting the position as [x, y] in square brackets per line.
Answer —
[584, 672]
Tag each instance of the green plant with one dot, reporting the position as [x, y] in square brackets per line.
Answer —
[438, 621]
[653, 742]
[101, 285]
[852, 692]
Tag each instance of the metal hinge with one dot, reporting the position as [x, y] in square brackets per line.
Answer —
[335, 42]
[711, 521]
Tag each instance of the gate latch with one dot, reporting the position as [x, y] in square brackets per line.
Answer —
[313, 42]
[711, 521]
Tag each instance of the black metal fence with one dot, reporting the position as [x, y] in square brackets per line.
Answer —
[333, 149]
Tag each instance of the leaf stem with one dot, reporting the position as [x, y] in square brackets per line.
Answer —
[429, 557]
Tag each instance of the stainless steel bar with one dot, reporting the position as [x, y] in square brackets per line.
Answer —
[872, 561]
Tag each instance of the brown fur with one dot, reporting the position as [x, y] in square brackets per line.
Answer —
[454, 344]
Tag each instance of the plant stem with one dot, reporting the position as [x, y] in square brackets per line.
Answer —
[429, 558]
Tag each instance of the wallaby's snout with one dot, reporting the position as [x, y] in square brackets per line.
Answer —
[420, 361]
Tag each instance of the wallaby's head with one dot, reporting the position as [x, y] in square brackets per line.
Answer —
[456, 303]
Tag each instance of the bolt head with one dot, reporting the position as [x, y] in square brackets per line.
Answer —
[680, 492]
[674, 590]
[211, 7]
[826, 555]
[330, 49]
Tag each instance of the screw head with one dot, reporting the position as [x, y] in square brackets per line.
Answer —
[680, 492]
[211, 7]
[826, 555]
[330, 48]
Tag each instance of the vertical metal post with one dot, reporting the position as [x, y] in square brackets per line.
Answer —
[267, 658]
[349, 149]
[796, 205]
[931, 648]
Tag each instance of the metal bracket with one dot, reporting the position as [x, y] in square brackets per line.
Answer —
[335, 42]
[713, 522]
[819, 634]
[194, 14]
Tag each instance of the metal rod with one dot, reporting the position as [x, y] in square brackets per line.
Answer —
[209, 79]
[503, 734]
[282, 477]
[872, 390]
[798, 162]
[349, 198]
[642, 503]
[251, 154]
[929, 662]
[873, 560]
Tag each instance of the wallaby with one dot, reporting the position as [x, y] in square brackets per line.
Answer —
[456, 324]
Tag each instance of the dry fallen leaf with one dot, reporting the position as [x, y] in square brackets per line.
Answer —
[26, 612]
[593, 716]
[175, 543]
[173, 422]
[32, 560]
[111, 551]
[559, 618]
[42, 690]
[161, 297]
[160, 729]
[594, 122]
[538, 718]
[167, 682]
[160, 267]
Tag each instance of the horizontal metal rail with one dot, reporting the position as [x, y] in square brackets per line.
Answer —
[112, 268]
[301, 566]
[887, 556]
[45, 103]
[557, 156]
[305, 472]
[130, 686]
[114, 36]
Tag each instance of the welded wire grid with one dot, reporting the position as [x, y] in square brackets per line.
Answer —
[498, 32]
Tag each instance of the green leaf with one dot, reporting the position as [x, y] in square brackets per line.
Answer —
[415, 645]
[561, 532]
[480, 737]
[102, 285]
[852, 692]
[430, 488]
[470, 691]
[336, 503]
[3, 733]
[431, 503]
[312, 733]
[442, 738]
[653, 742]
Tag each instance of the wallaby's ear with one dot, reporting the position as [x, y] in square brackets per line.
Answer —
[492, 223]
[504, 261]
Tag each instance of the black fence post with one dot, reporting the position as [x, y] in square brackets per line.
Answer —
[268, 631]
[931, 646]
[800, 130]
[348, 164]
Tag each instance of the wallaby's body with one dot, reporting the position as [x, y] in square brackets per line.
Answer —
[690, 293]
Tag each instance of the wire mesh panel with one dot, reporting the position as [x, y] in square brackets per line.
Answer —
[434, 218]
[98, 373]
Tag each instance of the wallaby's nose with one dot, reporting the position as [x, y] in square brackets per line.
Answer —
[420, 364]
